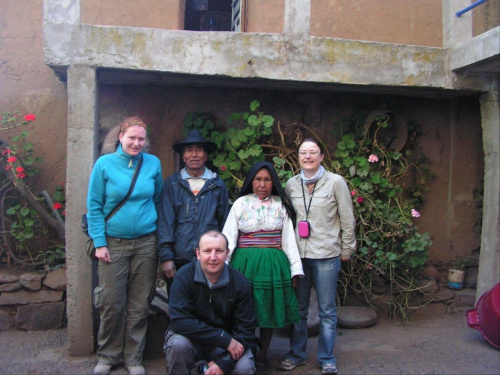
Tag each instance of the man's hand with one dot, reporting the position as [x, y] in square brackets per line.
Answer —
[213, 369]
[102, 253]
[236, 349]
[168, 269]
[344, 259]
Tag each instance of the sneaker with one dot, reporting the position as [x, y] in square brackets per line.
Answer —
[329, 369]
[102, 369]
[136, 370]
[288, 365]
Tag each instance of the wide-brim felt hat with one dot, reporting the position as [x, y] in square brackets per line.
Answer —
[193, 137]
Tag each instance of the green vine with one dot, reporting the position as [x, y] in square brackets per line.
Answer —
[26, 218]
[386, 184]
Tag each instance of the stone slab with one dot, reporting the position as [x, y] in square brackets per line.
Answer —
[31, 280]
[40, 317]
[356, 316]
[56, 279]
[8, 276]
[24, 297]
[10, 287]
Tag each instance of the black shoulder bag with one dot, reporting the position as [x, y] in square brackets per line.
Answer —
[84, 223]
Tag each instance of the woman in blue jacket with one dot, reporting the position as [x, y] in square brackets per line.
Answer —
[125, 247]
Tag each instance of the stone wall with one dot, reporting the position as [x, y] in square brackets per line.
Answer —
[32, 300]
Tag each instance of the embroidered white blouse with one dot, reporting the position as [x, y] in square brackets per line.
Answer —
[251, 214]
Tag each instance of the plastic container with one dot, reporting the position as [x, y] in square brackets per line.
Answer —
[486, 316]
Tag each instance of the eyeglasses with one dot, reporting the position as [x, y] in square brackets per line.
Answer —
[310, 153]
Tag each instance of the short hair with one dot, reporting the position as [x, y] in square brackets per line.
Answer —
[313, 140]
[214, 234]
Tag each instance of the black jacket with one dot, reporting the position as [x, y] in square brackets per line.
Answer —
[212, 317]
[183, 216]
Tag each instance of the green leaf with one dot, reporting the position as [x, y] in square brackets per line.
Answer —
[242, 137]
[24, 211]
[242, 154]
[29, 222]
[249, 131]
[254, 105]
[362, 172]
[347, 162]
[268, 121]
[12, 210]
[235, 142]
[253, 120]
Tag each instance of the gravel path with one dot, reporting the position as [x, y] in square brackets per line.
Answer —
[428, 345]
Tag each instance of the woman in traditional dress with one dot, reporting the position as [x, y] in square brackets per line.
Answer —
[262, 246]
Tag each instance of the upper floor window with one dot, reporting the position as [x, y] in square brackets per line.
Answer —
[212, 15]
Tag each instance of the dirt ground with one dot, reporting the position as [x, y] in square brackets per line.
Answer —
[427, 345]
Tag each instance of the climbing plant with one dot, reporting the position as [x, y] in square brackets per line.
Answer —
[387, 187]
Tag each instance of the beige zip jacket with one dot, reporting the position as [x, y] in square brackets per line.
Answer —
[331, 217]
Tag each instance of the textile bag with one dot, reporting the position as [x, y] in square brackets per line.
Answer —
[90, 243]
[91, 249]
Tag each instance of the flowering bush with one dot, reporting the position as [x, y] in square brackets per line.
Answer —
[26, 218]
[386, 187]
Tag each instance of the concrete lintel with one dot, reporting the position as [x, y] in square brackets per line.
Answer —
[82, 152]
[241, 55]
[481, 48]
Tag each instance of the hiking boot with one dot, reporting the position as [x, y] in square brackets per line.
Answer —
[136, 370]
[328, 368]
[288, 364]
[102, 369]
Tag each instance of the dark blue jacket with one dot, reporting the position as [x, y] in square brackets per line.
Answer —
[212, 317]
[183, 216]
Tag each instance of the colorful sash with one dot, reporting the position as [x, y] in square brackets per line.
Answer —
[264, 238]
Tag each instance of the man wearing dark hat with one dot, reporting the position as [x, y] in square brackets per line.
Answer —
[194, 200]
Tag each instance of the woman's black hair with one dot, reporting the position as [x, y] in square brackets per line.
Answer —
[313, 140]
[277, 188]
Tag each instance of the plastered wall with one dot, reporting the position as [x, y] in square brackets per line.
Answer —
[450, 138]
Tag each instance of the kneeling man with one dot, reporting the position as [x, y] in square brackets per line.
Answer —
[211, 314]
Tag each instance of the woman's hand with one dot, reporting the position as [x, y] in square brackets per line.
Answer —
[295, 281]
[102, 253]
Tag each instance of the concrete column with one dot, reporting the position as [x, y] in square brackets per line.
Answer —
[456, 30]
[58, 12]
[489, 258]
[82, 152]
[297, 17]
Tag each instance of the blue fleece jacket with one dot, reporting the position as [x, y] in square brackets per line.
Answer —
[109, 183]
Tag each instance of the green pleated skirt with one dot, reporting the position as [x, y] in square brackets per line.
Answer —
[268, 271]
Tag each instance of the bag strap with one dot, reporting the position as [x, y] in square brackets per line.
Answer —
[132, 184]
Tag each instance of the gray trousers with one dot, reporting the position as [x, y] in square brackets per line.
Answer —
[125, 291]
[182, 355]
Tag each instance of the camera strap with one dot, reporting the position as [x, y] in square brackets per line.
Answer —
[307, 208]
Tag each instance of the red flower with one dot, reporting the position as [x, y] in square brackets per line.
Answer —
[223, 168]
[353, 193]
[12, 159]
[21, 175]
[359, 199]
[6, 151]
[57, 206]
[8, 167]
[29, 117]
[19, 169]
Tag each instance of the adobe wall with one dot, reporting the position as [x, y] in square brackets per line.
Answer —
[388, 21]
[451, 139]
[28, 85]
